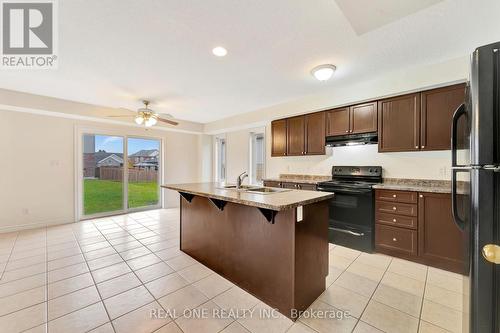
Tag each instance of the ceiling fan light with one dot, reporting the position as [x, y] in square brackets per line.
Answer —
[139, 120]
[323, 72]
[150, 122]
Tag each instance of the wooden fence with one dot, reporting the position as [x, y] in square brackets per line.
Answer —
[135, 175]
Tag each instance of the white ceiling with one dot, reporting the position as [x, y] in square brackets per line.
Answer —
[116, 52]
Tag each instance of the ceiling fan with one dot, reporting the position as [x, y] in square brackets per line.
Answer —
[148, 117]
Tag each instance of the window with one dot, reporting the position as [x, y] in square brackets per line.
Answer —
[220, 159]
[257, 158]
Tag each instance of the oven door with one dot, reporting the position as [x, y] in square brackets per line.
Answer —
[351, 217]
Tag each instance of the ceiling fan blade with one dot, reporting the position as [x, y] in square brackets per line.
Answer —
[122, 116]
[168, 121]
[125, 109]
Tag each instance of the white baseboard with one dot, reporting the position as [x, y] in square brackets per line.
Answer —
[19, 227]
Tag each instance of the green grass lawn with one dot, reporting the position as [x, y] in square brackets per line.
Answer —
[107, 196]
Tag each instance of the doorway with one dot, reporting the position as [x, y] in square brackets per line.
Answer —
[119, 174]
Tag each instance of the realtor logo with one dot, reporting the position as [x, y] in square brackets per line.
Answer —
[28, 34]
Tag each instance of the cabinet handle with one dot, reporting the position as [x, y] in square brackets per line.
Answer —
[394, 196]
[422, 147]
[416, 147]
[298, 186]
[421, 196]
[284, 154]
[394, 239]
[347, 131]
[394, 208]
[394, 220]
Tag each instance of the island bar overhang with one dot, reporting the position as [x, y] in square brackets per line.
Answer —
[283, 261]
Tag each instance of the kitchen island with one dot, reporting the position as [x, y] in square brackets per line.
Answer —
[272, 243]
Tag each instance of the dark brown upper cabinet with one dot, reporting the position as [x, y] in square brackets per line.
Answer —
[399, 123]
[337, 122]
[438, 106]
[356, 119]
[296, 139]
[301, 135]
[363, 118]
[278, 137]
[315, 133]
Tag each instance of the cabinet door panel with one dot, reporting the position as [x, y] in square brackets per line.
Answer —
[315, 133]
[337, 122]
[363, 118]
[399, 123]
[441, 242]
[296, 139]
[395, 239]
[438, 106]
[278, 138]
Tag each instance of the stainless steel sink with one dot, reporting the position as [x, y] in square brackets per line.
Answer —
[266, 190]
[254, 189]
[233, 187]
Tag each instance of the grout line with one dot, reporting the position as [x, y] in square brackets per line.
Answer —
[101, 300]
[373, 293]
[423, 298]
[46, 282]
[141, 285]
[10, 254]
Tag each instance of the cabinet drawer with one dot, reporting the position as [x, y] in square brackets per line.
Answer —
[396, 208]
[396, 220]
[272, 184]
[396, 239]
[308, 187]
[396, 196]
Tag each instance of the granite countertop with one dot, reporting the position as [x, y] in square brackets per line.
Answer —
[296, 178]
[275, 201]
[416, 185]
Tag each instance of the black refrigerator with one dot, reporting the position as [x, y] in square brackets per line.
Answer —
[476, 189]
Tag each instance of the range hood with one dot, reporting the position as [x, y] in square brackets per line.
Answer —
[352, 139]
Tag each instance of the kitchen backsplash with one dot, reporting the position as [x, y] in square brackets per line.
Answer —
[414, 165]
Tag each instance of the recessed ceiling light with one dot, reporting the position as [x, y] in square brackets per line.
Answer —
[323, 72]
[219, 51]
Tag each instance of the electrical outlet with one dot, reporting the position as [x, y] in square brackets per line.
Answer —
[25, 211]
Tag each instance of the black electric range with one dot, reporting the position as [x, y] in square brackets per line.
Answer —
[351, 210]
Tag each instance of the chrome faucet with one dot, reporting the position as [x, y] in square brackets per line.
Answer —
[239, 180]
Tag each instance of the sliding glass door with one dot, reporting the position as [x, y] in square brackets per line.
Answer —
[120, 174]
[143, 172]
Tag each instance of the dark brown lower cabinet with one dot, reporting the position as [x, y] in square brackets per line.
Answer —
[269, 183]
[423, 232]
[289, 185]
[441, 242]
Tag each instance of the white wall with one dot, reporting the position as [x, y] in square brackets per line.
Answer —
[418, 165]
[393, 83]
[37, 166]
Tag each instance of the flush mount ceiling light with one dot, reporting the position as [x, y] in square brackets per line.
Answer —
[323, 72]
[219, 51]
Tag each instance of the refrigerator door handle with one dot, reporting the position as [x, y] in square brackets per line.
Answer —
[458, 113]
[494, 168]
[454, 208]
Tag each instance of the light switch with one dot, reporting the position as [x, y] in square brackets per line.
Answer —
[299, 214]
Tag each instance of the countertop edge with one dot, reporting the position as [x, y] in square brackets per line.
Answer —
[414, 188]
[252, 203]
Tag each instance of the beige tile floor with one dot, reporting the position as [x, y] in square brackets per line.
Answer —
[110, 274]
